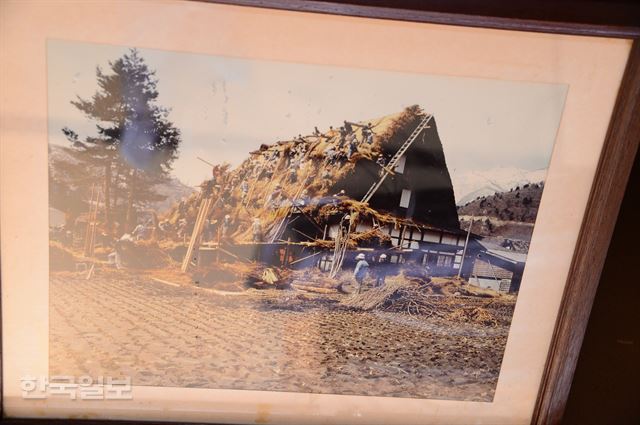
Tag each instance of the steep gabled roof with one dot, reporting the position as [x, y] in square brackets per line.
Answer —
[503, 254]
[293, 167]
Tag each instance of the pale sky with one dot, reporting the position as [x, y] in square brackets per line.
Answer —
[226, 107]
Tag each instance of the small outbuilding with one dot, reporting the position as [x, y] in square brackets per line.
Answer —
[488, 265]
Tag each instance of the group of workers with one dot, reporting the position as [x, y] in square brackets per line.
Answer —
[236, 188]
[265, 162]
[378, 269]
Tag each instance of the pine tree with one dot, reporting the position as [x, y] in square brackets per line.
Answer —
[135, 144]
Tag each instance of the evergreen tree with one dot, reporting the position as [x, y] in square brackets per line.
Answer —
[135, 143]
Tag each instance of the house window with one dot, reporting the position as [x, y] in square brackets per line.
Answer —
[430, 236]
[444, 260]
[449, 239]
[430, 259]
[405, 198]
[400, 165]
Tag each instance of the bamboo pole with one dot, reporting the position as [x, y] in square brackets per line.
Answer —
[305, 258]
[87, 230]
[303, 234]
[466, 242]
[195, 234]
[94, 228]
[205, 161]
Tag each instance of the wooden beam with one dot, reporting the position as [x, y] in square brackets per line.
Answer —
[305, 258]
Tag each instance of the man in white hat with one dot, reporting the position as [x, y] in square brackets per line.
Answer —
[359, 273]
[226, 226]
[381, 269]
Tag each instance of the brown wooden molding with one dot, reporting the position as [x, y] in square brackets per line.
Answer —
[473, 17]
[613, 170]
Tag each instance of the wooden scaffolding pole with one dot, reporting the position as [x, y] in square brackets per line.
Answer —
[94, 225]
[203, 211]
[87, 230]
[466, 243]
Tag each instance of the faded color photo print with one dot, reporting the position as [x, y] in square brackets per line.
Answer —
[221, 222]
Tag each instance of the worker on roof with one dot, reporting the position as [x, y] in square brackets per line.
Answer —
[316, 132]
[348, 128]
[273, 200]
[267, 172]
[367, 134]
[256, 230]
[343, 137]
[293, 174]
[244, 190]
[208, 187]
[341, 158]
[360, 272]
[382, 162]
[326, 179]
[352, 148]
[303, 199]
[330, 154]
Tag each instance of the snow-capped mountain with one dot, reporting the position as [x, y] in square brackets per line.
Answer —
[468, 185]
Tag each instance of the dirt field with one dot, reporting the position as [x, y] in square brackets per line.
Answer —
[167, 335]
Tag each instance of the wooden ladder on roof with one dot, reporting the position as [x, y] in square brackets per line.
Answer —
[280, 226]
[396, 157]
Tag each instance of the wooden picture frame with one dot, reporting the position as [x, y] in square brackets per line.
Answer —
[611, 176]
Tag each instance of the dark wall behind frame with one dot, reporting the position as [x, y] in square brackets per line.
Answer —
[594, 18]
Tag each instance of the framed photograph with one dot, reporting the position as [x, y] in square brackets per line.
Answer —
[303, 212]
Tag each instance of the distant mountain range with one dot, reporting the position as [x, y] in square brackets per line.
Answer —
[174, 190]
[469, 185]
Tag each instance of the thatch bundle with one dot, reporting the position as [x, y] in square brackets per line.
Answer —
[411, 296]
[60, 257]
[143, 255]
